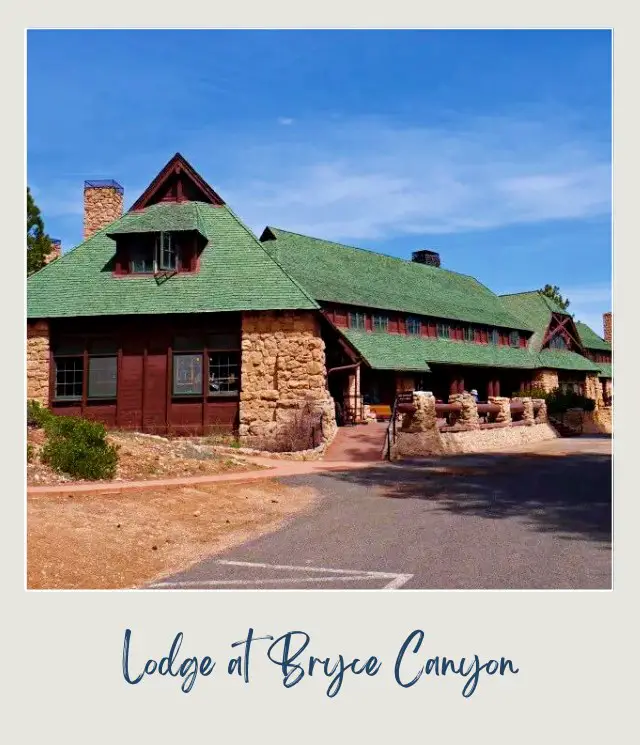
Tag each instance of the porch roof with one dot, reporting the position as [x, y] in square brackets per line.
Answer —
[605, 370]
[559, 359]
[384, 351]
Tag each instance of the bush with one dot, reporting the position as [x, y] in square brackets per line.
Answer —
[559, 402]
[37, 414]
[29, 453]
[78, 447]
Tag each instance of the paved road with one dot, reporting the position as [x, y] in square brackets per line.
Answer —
[540, 518]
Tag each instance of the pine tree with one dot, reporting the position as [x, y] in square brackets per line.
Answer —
[38, 242]
[553, 292]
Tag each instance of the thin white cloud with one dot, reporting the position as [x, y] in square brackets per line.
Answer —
[372, 180]
[285, 121]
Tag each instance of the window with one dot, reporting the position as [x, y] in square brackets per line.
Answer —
[150, 255]
[103, 377]
[166, 252]
[224, 375]
[356, 320]
[223, 341]
[380, 323]
[69, 378]
[414, 326]
[494, 336]
[443, 330]
[514, 339]
[558, 342]
[141, 260]
[469, 333]
[187, 374]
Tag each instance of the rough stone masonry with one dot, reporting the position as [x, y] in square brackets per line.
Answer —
[284, 389]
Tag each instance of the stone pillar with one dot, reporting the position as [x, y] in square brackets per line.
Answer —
[607, 322]
[545, 379]
[419, 434]
[504, 415]
[284, 391]
[38, 361]
[468, 416]
[593, 389]
[528, 415]
[541, 412]
[103, 201]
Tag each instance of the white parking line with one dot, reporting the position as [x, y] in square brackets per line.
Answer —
[342, 575]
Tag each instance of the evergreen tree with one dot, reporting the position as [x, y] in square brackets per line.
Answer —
[38, 242]
[553, 292]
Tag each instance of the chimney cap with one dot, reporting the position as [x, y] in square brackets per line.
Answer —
[107, 183]
[56, 241]
[426, 256]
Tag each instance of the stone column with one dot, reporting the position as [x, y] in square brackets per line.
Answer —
[38, 361]
[419, 434]
[468, 416]
[504, 415]
[528, 416]
[284, 387]
[545, 379]
[541, 413]
[593, 389]
[103, 203]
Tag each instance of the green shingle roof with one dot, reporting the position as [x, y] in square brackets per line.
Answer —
[591, 340]
[536, 308]
[384, 351]
[236, 273]
[161, 217]
[560, 359]
[605, 369]
[332, 272]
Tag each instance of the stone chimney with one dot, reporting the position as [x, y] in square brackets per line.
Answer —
[56, 250]
[432, 258]
[607, 322]
[103, 201]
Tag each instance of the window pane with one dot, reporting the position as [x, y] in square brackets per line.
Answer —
[414, 326]
[469, 333]
[223, 341]
[356, 320]
[494, 336]
[514, 339]
[187, 374]
[224, 373]
[380, 323]
[443, 330]
[141, 259]
[69, 378]
[167, 257]
[103, 377]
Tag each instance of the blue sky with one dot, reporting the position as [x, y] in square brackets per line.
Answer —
[492, 147]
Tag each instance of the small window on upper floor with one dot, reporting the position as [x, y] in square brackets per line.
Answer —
[558, 342]
[494, 336]
[469, 333]
[153, 254]
[380, 323]
[356, 321]
[414, 326]
[514, 339]
[443, 331]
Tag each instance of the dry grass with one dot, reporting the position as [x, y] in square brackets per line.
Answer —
[142, 457]
[127, 540]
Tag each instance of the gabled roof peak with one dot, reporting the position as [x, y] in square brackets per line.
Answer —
[178, 181]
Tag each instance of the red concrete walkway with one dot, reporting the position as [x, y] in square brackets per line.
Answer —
[361, 443]
[274, 469]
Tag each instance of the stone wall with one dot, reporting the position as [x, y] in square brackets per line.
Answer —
[284, 390]
[102, 205]
[504, 439]
[38, 361]
[545, 379]
[504, 415]
[468, 416]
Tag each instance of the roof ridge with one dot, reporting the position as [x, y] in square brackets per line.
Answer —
[375, 253]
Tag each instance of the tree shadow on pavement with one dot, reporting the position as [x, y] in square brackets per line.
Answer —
[569, 494]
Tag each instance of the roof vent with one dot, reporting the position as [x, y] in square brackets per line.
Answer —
[431, 258]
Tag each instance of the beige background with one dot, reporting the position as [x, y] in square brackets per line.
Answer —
[62, 651]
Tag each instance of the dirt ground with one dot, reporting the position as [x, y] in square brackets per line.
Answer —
[142, 457]
[128, 540]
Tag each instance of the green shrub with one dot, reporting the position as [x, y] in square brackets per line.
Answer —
[29, 453]
[37, 414]
[78, 447]
[558, 402]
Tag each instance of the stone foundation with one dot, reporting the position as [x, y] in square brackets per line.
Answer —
[38, 362]
[284, 393]
[545, 379]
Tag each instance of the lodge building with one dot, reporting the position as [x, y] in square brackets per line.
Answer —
[175, 318]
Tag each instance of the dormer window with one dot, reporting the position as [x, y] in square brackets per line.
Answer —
[153, 254]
